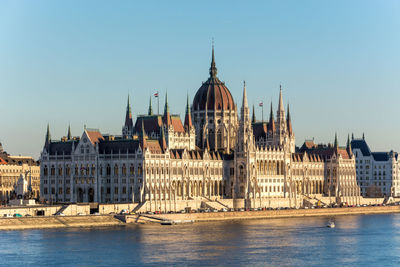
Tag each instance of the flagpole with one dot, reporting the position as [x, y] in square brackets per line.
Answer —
[158, 104]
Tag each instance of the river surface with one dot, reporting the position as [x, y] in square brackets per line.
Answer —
[357, 240]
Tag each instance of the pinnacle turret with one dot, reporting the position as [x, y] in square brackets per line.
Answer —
[271, 123]
[213, 68]
[48, 136]
[188, 117]
[128, 116]
[289, 122]
[150, 108]
[336, 144]
[69, 136]
[167, 117]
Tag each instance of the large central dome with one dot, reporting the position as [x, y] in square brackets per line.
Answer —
[213, 94]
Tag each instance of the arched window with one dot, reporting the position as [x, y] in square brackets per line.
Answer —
[108, 170]
[93, 169]
[123, 170]
[68, 171]
[132, 170]
[60, 170]
[219, 139]
[115, 169]
[46, 170]
[53, 170]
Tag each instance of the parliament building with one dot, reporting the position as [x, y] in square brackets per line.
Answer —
[218, 153]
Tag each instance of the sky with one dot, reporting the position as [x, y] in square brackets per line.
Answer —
[75, 62]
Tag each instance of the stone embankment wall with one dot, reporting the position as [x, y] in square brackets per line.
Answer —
[57, 222]
[269, 214]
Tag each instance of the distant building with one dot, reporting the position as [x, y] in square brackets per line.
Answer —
[215, 153]
[12, 168]
[378, 173]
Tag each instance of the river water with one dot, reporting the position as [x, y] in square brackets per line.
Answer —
[357, 240]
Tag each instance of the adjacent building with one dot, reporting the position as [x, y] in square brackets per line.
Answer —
[377, 172]
[217, 152]
[14, 169]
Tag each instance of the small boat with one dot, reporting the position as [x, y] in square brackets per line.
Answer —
[331, 224]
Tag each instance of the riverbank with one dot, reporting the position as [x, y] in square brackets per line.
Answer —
[58, 222]
[23, 223]
[268, 214]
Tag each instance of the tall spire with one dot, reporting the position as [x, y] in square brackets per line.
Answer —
[253, 118]
[289, 121]
[352, 136]
[336, 144]
[69, 136]
[188, 118]
[244, 103]
[150, 107]
[271, 123]
[167, 117]
[245, 107]
[348, 146]
[128, 116]
[213, 68]
[363, 137]
[280, 106]
[48, 136]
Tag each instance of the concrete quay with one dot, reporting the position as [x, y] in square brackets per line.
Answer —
[23, 223]
[267, 214]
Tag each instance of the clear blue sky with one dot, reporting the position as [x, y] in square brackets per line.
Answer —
[74, 62]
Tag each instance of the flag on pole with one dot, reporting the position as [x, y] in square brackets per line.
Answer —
[156, 94]
[261, 104]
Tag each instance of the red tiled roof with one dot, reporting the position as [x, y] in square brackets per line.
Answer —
[94, 136]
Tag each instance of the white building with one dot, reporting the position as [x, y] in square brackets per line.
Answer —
[213, 154]
[377, 172]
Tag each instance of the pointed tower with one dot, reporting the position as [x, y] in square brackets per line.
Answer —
[253, 118]
[127, 129]
[336, 144]
[69, 136]
[213, 68]
[150, 108]
[281, 132]
[245, 108]
[289, 122]
[245, 140]
[348, 146]
[143, 136]
[167, 116]
[48, 136]
[188, 117]
[271, 122]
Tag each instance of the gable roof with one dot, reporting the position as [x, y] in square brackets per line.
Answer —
[361, 145]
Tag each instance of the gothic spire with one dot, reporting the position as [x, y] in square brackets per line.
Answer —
[348, 146]
[253, 118]
[336, 144]
[128, 116]
[69, 136]
[48, 136]
[150, 107]
[363, 137]
[280, 106]
[245, 107]
[188, 118]
[244, 103]
[289, 121]
[213, 68]
[352, 136]
[271, 123]
[167, 117]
